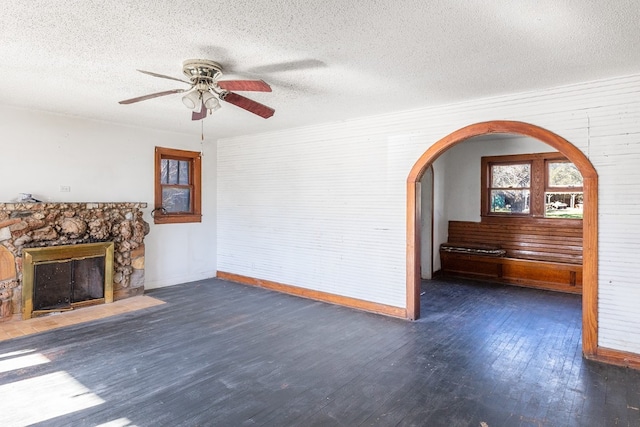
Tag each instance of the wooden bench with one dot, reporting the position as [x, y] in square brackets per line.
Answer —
[525, 252]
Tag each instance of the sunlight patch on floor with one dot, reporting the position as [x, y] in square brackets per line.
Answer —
[21, 362]
[44, 397]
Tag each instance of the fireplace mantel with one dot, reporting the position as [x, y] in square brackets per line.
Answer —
[38, 225]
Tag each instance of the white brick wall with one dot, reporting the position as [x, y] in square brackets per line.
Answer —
[323, 207]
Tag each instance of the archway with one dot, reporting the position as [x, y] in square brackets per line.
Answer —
[589, 221]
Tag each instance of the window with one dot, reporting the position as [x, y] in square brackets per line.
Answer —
[177, 186]
[541, 185]
[510, 190]
[563, 191]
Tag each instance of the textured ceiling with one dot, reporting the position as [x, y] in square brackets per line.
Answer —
[326, 60]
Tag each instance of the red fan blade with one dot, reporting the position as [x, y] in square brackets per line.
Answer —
[201, 114]
[245, 85]
[151, 95]
[162, 76]
[249, 105]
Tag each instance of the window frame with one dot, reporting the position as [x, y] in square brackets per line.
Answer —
[490, 187]
[538, 185]
[194, 158]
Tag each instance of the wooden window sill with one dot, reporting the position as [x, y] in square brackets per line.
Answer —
[177, 219]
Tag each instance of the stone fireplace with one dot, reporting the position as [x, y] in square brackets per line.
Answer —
[83, 253]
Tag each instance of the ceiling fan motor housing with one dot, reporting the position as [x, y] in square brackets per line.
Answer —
[199, 70]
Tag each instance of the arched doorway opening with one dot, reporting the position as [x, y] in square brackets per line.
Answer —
[589, 224]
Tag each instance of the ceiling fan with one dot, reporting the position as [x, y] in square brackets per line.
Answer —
[206, 90]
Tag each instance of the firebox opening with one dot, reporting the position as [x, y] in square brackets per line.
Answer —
[62, 278]
[61, 285]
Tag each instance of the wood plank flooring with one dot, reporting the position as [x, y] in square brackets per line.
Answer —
[223, 354]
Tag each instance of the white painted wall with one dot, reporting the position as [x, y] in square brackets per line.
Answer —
[103, 162]
[323, 207]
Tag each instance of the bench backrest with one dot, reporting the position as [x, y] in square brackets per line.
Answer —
[541, 240]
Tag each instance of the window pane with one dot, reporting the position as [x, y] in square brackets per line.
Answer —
[511, 176]
[183, 172]
[164, 171]
[173, 172]
[510, 201]
[176, 199]
[564, 174]
[563, 205]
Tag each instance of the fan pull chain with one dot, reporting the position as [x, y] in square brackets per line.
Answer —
[201, 138]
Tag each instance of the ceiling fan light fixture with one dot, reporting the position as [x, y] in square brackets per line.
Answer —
[207, 90]
[210, 101]
[191, 99]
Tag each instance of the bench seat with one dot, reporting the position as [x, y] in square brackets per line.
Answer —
[534, 254]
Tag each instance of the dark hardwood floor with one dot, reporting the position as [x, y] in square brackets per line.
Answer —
[223, 354]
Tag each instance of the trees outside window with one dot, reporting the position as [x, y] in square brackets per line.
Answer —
[510, 190]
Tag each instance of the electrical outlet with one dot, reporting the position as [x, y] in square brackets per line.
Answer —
[65, 189]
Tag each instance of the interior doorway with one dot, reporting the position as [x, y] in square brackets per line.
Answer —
[426, 223]
[590, 215]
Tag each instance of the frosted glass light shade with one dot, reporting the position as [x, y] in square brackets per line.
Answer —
[191, 99]
[210, 101]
